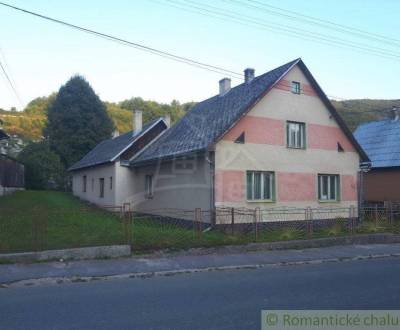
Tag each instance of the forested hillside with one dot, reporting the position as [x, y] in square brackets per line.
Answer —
[356, 112]
[28, 124]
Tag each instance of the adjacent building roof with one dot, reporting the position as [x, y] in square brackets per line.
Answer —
[380, 140]
[109, 150]
[207, 121]
[3, 135]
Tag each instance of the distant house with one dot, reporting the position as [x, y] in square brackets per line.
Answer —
[274, 141]
[381, 142]
[11, 171]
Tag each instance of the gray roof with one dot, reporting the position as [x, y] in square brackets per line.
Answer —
[208, 120]
[107, 150]
[380, 140]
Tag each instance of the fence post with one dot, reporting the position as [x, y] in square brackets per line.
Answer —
[376, 215]
[232, 220]
[391, 212]
[257, 215]
[126, 209]
[198, 222]
[309, 222]
[352, 216]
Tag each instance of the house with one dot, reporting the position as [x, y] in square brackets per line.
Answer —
[103, 176]
[380, 140]
[274, 141]
[11, 171]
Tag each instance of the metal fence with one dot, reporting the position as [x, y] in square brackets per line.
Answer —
[43, 229]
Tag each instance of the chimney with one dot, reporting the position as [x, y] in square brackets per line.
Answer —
[137, 121]
[167, 120]
[395, 113]
[224, 86]
[248, 75]
[115, 134]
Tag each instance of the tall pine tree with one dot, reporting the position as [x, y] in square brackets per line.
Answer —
[77, 121]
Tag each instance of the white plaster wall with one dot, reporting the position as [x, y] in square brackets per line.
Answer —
[175, 191]
[92, 193]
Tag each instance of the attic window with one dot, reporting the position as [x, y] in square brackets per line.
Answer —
[240, 139]
[295, 87]
[339, 147]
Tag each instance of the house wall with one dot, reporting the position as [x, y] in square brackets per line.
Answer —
[382, 185]
[296, 170]
[92, 193]
[176, 190]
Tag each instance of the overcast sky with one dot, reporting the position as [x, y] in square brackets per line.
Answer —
[40, 56]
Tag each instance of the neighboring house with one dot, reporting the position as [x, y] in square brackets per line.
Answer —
[274, 141]
[380, 140]
[11, 171]
[103, 176]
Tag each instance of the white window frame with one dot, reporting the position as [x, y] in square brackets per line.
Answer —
[298, 141]
[149, 186]
[328, 196]
[250, 197]
[295, 87]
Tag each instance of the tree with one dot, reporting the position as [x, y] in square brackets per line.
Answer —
[43, 167]
[77, 121]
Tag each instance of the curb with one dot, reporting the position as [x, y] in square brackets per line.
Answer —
[144, 275]
[95, 252]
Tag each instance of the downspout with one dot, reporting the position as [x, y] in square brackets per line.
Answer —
[210, 160]
[365, 167]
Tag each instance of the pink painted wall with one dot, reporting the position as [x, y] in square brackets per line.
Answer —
[229, 186]
[326, 137]
[296, 186]
[349, 187]
[258, 130]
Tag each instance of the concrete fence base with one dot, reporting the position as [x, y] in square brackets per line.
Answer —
[112, 251]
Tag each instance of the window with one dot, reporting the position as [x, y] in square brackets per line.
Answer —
[185, 164]
[296, 135]
[92, 184]
[149, 186]
[101, 181]
[260, 185]
[328, 187]
[84, 183]
[111, 183]
[295, 87]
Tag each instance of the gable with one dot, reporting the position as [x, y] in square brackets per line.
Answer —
[109, 150]
[265, 122]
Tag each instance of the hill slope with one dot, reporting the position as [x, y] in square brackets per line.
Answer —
[28, 125]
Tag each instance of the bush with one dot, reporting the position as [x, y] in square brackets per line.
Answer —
[43, 167]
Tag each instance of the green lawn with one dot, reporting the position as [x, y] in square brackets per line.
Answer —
[33, 220]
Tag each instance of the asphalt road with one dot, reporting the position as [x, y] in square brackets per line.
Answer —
[209, 300]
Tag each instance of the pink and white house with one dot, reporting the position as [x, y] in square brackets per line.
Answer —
[274, 141]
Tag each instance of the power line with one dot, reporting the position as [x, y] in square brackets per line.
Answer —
[321, 22]
[229, 15]
[151, 50]
[155, 51]
[10, 82]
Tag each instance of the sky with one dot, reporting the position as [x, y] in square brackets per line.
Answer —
[40, 56]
